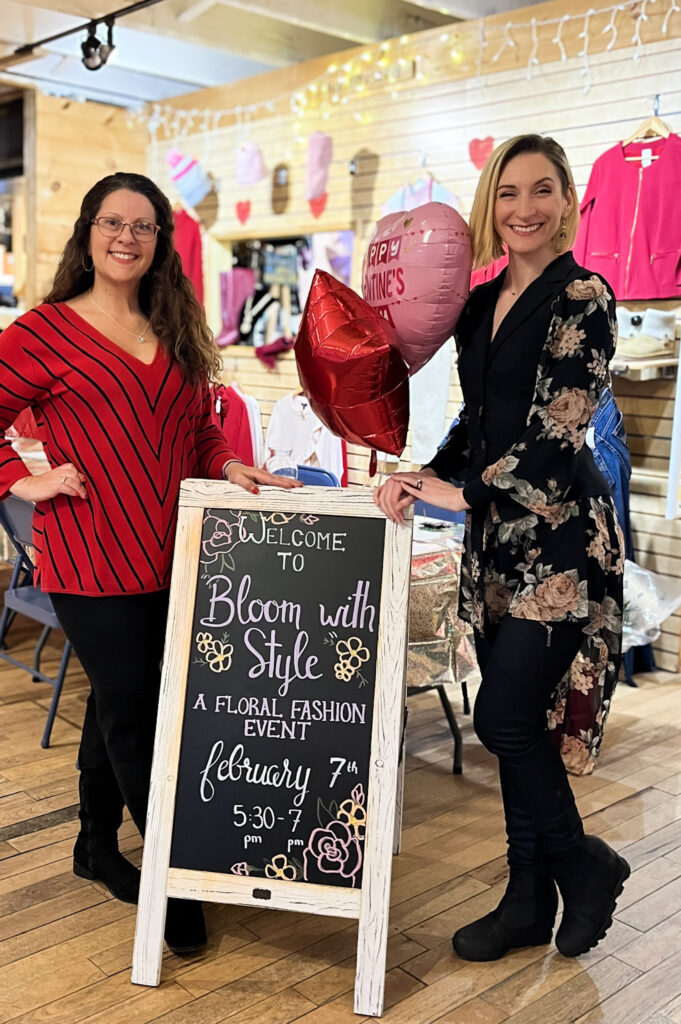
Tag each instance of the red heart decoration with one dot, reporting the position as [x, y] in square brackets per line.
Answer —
[350, 369]
[243, 210]
[479, 150]
[318, 205]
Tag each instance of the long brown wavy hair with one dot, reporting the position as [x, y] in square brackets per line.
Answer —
[166, 296]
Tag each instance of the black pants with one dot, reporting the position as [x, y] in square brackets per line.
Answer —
[519, 672]
[119, 641]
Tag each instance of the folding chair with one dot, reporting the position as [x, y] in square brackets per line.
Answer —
[315, 476]
[24, 598]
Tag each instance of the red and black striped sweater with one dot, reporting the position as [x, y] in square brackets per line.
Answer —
[134, 431]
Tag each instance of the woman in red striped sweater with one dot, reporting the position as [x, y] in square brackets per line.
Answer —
[115, 365]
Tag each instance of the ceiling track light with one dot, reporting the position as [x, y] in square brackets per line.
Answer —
[96, 54]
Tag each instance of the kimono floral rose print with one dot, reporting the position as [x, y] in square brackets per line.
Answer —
[563, 559]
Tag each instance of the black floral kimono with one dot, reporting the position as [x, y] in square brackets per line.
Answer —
[542, 540]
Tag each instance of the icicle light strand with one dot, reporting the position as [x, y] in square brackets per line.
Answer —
[394, 65]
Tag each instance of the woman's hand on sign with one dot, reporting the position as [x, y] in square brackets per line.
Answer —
[249, 477]
[64, 479]
[429, 488]
[392, 497]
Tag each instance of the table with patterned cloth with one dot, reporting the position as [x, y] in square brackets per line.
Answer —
[440, 644]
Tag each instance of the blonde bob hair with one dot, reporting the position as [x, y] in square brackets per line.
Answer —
[487, 245]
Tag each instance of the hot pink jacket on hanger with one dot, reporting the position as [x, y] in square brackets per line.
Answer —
[630, 231]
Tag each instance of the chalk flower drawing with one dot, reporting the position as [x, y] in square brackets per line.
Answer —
[280, 518]
[351, 654]
[224, 538]
[333, 850]
[353, 812]
[204, 642]
[343, 671]
[280, 868]
[219, 657]
[240, 869]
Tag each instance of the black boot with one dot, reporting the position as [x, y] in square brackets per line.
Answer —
[96, 855]
[185, 930]
[590, 878]
[524, 917]
[108, 866]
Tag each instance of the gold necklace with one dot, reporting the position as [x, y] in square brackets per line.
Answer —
[141, 338]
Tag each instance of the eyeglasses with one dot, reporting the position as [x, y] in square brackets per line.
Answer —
[111, 227]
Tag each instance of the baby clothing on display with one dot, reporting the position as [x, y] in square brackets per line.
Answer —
[187, 242]
[230, 414]
[295, 427]
[254, 422]
[416, 193]
[428, 391]
[236, 286]
[630, 226]
[489, 272]
[648, 334]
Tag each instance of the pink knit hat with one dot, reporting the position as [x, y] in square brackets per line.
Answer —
[250, 166]
[319, 156]
[188, 177]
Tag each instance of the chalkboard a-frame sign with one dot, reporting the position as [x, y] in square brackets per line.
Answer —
[275, 769]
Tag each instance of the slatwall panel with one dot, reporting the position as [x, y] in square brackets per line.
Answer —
[430, 128]
[75, 145]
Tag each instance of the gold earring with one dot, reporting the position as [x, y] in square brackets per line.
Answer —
[562, 233]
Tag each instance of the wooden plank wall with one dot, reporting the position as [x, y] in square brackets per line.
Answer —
[73, 146]
[431, 123]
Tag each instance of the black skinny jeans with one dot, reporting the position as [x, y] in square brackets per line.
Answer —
[119, 641]
[519, 673]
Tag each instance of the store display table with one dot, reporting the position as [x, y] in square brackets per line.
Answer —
[440, 647]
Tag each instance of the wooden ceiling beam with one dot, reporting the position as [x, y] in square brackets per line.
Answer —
[468, 10]
[354, 21]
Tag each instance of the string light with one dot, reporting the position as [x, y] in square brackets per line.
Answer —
[533, 52]
[391, 64]
[673, 7]
[584, 52]
[508, 40]
[636, 38]
[481, 48]
[558, 38]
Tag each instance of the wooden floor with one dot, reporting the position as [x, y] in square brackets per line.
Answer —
[65, 945]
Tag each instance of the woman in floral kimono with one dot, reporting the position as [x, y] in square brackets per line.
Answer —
[541, 578]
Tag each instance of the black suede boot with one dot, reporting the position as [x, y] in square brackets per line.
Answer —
[96, 855]
[590, 877]
[185, 930]
[524, 917]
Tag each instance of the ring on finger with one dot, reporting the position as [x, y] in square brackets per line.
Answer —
[419, 484]
[63, 479]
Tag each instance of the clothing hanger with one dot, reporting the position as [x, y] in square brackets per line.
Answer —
[181, 207]
[652, 129]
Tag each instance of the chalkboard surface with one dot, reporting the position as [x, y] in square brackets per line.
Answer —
[274, 762]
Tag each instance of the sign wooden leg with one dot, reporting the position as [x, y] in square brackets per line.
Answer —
[372, 937]
[399, 801]
[151, 919]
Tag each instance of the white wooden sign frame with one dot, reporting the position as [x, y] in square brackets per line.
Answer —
[370, 903]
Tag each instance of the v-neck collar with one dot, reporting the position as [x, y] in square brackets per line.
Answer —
[536, 293]
[118, 349]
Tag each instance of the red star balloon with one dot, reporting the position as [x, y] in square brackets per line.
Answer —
[349, 367]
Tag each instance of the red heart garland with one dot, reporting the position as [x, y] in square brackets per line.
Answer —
[479, 150]
[243, 210]
[318, 205]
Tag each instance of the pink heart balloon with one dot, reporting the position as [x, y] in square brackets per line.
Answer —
[416, 274]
